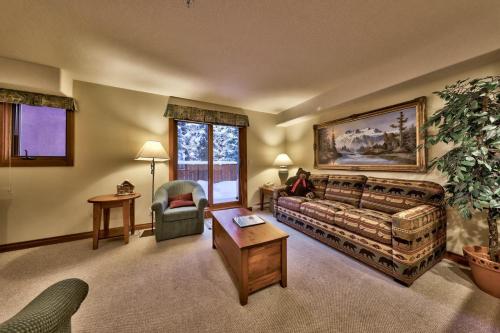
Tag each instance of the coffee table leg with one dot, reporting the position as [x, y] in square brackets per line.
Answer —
[96, 225]
[244, 278]
[283, 281]
[126, 220]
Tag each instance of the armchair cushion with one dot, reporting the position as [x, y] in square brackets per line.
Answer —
[181, 213]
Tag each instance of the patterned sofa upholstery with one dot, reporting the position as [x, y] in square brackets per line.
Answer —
[397, 226]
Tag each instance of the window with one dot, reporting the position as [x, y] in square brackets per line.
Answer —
[212, 155]
[36, 135]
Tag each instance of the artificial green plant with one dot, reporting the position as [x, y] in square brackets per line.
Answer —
[470, 122]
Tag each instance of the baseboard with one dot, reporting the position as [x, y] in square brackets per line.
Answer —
[61, 239]
[457, 258]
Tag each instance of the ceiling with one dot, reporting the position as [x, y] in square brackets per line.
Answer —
[260, 55]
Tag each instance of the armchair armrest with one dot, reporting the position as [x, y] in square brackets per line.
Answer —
[199, 198]
[160, 203]
[50, 311]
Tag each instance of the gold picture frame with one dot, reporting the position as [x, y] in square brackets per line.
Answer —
[386, 139]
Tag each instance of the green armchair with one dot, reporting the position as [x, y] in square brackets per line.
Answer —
[51, 311]
[182, 221]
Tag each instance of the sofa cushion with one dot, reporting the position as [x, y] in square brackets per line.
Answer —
[319, 182]
[180, 213]
[323, 210]
[318, 211]
[335, 204]
[292, 203]
[345, 188]
[395, 195]
[369, 223]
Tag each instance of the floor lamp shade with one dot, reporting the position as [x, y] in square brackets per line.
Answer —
[152, 150]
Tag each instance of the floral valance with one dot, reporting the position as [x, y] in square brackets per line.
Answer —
[24, 97]
[190, 113]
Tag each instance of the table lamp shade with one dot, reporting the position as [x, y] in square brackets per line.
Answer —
[282, 160]
[150, 150]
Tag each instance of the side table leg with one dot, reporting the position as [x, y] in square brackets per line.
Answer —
[132, 216]
[261, 199]
[96, 225]
[106, 222]
[126, 220]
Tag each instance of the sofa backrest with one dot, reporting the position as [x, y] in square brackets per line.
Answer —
[345, 188]
[319, 182]
[395, 195]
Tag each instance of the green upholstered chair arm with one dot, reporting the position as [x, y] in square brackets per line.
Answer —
[160, 202]
[50, 311]
[199, 198]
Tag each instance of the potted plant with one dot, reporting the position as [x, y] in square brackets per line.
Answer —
[470, 121]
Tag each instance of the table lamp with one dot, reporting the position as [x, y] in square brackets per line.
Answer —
[153, 152]
[283, 161]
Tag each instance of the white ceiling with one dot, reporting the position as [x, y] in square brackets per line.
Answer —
[263, 55]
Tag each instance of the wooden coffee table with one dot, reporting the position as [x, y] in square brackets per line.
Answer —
[256, 255]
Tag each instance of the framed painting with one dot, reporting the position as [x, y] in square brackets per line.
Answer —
[387, 139]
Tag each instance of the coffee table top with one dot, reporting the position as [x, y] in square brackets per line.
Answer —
[249, 236]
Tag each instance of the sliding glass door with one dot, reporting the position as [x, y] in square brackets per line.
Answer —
[210, 155]
[226, 163]
[192, 152]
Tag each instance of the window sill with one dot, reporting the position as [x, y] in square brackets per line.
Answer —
[38, 162]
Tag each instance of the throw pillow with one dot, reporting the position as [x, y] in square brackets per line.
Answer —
[185, 197]
[181, 203]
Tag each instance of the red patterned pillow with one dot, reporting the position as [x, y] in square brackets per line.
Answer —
[184, 197]
[181, 203]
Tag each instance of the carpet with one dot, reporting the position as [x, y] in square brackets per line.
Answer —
[182, 285]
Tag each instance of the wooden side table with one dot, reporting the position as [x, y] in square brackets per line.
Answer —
[268, 190]
[102, 204]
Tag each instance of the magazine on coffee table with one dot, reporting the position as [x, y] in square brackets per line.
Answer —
[247, 220]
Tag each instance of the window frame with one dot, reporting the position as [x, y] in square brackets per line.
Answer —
[172, 170]
[6, 115]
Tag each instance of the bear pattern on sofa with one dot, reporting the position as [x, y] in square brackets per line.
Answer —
[400, 232]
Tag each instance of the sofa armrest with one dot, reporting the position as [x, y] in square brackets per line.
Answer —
[417, 217]
[418, 234]
[199, 198]
[160, 203]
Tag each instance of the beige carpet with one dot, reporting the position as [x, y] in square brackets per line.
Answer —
[182, 285]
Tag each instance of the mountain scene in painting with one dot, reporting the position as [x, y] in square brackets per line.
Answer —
[388, 138]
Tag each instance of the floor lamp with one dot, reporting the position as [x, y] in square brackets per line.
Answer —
[153, 152]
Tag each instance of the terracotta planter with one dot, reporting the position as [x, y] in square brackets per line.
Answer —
[485, 272]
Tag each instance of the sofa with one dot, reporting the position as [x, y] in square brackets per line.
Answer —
[396, 226]
[182, 221]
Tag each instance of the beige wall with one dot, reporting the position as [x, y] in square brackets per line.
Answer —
[111, 126]
[22, 75]
[299, 137]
